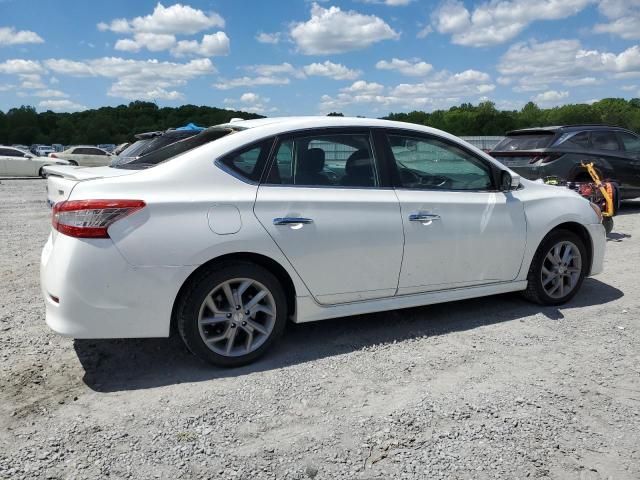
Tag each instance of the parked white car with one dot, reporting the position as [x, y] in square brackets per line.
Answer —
[303, 219]
[44, 150]
[84, 156]
[15, 162]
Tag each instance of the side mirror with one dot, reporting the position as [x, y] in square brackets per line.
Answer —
[509, 181]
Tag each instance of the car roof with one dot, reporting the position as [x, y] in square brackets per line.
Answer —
[566, 128]
[284, 124]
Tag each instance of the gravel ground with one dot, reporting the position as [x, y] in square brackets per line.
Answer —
[486, 388]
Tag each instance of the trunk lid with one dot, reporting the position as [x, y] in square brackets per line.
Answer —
[62, 179]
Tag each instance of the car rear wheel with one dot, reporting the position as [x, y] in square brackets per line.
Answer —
[558, 269]
[42, 173]
[232, 314]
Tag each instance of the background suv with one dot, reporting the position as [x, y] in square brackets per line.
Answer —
[558, 151]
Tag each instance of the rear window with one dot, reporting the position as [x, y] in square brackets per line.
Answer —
[135, 149]
[175, 148]
[525, 142]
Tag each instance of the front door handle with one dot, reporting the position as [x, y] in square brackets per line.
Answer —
[423, 217]
[291, 221]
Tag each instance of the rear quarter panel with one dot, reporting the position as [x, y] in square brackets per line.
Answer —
[174, 228]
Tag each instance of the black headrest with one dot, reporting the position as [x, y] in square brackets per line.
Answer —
[359, 162]
[313, 161]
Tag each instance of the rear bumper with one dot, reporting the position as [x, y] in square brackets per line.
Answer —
[598, 241]
[101, 295]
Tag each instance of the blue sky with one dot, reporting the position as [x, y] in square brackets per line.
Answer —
[360, 57]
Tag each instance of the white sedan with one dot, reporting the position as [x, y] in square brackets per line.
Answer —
[227, 235]
[15, 162]
[84, 156]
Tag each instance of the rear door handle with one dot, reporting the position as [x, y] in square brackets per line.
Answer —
[291, 221]
[423, 217]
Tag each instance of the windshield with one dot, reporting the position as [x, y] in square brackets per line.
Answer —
[529, 141]
[175, 148]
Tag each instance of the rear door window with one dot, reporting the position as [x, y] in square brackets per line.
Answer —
[604, 141]
[631, 142]
[578, 140]
[325, 160]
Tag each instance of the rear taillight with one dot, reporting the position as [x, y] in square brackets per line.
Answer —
[546, 158]
[53, 155]
[91, 218]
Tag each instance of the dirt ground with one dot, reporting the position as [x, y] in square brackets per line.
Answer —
[487, 388]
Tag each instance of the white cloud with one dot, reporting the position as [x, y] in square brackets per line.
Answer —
[11, 36]
[332, 70]
[61, 105]
[212, 45]
[445, 84]
[136, 79]
[550, 97]
[332, 30]
[176, 19]
[154, 42]
[127, 45]
[267, 70]
[413, 68]
[364, 88]
[390, 3]
[272, 38]
[424, 31]
[533, 64]
[439, 90]
[157, 32]
[624, 18]
[226, 84]
[50, 93]
[251, 102]
[31, 81]
[496, 22]
[17, 65]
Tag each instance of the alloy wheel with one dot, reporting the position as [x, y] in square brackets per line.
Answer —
[561, 269]
[237, 317]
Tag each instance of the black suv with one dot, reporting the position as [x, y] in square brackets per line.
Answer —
[558, 151]
[151, 141]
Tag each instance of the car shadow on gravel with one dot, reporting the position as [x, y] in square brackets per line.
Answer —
[116, 365]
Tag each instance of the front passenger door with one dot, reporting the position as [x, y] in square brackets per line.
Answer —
[325, 207]
[459, 230]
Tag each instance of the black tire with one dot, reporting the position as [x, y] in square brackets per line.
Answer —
[535, 291]
[73, 163]
[193, 296]
[41, 172]
[607, 223]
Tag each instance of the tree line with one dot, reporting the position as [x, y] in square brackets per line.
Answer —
[485, 119]
[24, 125]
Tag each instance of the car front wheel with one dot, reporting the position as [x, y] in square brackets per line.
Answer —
[232, 314]
[558, 269]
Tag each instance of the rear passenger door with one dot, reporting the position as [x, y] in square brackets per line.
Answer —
[609, 151]
[324, 203]
[631, 144]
